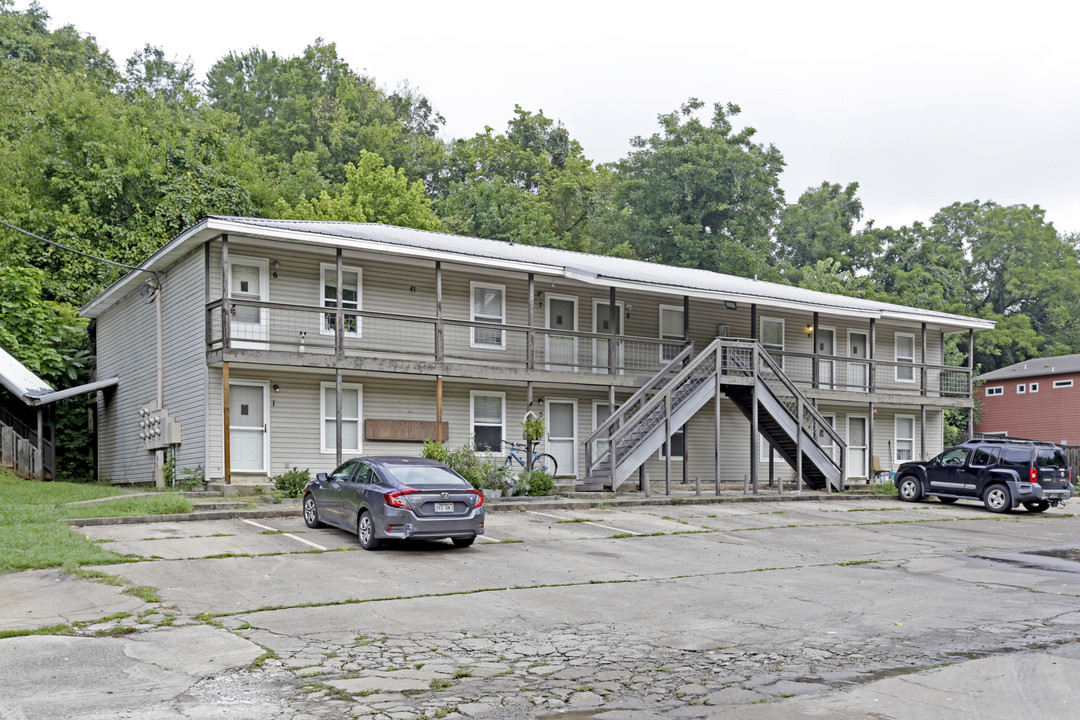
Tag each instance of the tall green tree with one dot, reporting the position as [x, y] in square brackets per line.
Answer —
[699, 194]
[822, 226]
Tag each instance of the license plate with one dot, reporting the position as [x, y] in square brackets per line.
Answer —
[444, 507]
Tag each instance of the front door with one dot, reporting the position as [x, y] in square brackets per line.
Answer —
[856, 446]
[826, 345]
[858, 373]
[562, 434]
[247, 427]
[562, 349]
[602, 325]
[249, 326]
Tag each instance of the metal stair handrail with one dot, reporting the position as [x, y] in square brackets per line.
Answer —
[639, 396]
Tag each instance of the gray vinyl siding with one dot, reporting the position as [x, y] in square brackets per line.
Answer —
[127, 348]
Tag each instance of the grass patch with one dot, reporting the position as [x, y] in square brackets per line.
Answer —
[575, 520]
[438, 684]
[144, 593]
[463, 671]
[50, 630]
[32, 537]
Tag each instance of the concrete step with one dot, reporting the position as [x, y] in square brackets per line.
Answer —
[208, 505]
[223, 490]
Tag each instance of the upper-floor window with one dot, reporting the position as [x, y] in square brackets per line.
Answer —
[995, 390]
[1062, 384]
[905, 353]
[1021, 389]
[488, 305]
[671, 329]
[351, 284]
[1033, 387]
[772, 337]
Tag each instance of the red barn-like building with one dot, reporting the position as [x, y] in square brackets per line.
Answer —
[1037, 399]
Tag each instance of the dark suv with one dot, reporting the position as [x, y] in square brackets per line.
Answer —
[1002, 473]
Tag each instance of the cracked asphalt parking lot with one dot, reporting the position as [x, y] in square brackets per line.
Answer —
[855, 608]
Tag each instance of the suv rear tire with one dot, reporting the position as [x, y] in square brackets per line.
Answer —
[997, 498]
[909, 489]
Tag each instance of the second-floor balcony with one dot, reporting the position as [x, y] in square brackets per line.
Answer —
[281, 333]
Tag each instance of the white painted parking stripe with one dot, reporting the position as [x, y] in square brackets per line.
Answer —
[587, 522]
[288, 535]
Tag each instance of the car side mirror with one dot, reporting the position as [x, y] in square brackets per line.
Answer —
[321, 477]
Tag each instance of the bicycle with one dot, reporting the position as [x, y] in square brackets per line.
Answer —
[541, 461]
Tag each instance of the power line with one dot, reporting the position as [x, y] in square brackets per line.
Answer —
[80, 252]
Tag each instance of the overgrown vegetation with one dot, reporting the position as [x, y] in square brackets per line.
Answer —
[31, 535]
[486, 472]
[291, 483]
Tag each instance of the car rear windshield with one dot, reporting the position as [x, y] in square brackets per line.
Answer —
[1052, 457]
[421, 476]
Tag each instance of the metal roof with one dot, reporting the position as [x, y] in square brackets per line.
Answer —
[595, 269]
[22, 383]
[1057, 365]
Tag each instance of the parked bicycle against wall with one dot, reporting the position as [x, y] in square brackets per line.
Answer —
[515, 455]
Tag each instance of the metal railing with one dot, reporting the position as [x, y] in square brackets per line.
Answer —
[246, 324]
[835, 372]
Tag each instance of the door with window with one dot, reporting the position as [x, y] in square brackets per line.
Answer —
[247, 427]
[602, 325]
[856, 446]
[249, 327]
[562, 350]
[826, 345]
[562, 434]
[858, 373]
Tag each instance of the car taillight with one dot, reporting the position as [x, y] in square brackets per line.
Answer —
[398, 499]
[479, 498]
[1033, 475]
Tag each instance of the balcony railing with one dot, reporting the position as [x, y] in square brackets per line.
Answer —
[833, 372]
[243, 324]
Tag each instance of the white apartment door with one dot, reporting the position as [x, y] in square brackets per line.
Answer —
[826, 345]
[247, 427]
[249, 327]
[562, 434]
[857, 450]
[602, 325]
[858, 372]
[562, 349]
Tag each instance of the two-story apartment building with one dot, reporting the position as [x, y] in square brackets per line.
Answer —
[250, 346]
[1037, 399]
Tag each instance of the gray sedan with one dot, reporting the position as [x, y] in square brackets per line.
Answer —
[381, 498]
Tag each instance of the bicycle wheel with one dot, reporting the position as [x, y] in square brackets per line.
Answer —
[546, 463]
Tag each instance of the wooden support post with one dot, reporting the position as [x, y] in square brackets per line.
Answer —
[613, 316]
[530, 336]
[686, 435]
[226, 439]
[971, 386]
[716, 418]
[922, 432]
[816, 361]
[872, 380]
[438, 409]
[40, 469]
[438, 312]
[753, 321]
[225, 340]
[870, 444]
[337, 416]
[339, 320]
[922, 373]
[528, 405]
[208, 328]
[667, 454]
[798, 439]
[754, 451]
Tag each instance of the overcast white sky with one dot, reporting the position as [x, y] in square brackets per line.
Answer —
[922, 103]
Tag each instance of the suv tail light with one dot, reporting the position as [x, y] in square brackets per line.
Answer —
[1033, 475]
[397, 499]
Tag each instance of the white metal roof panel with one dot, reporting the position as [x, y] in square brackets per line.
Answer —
[17, 378]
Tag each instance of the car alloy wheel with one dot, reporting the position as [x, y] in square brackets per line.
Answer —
[910, 489]
[997, 499]
[365, 531]
[311, 512]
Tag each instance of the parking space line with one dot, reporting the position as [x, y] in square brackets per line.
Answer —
[288, 535]
[587, 522]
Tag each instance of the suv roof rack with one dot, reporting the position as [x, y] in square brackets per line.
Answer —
[1007, 441]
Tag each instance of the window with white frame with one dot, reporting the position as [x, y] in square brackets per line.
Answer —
[905, 353]
[671, 329]
[351, 286]
[772, 337]
[1021, 389]
[678, 445]
[1062, 384]
[488, 305]
[351, 411]
[764, 449]
[904, 437]
[1033, 387]
[487, 418]
[995, 390]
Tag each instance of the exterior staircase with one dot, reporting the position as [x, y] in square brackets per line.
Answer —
[754, 381]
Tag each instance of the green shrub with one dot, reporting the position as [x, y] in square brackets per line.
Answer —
[537, 482]
[291, 484]
[480, 470]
